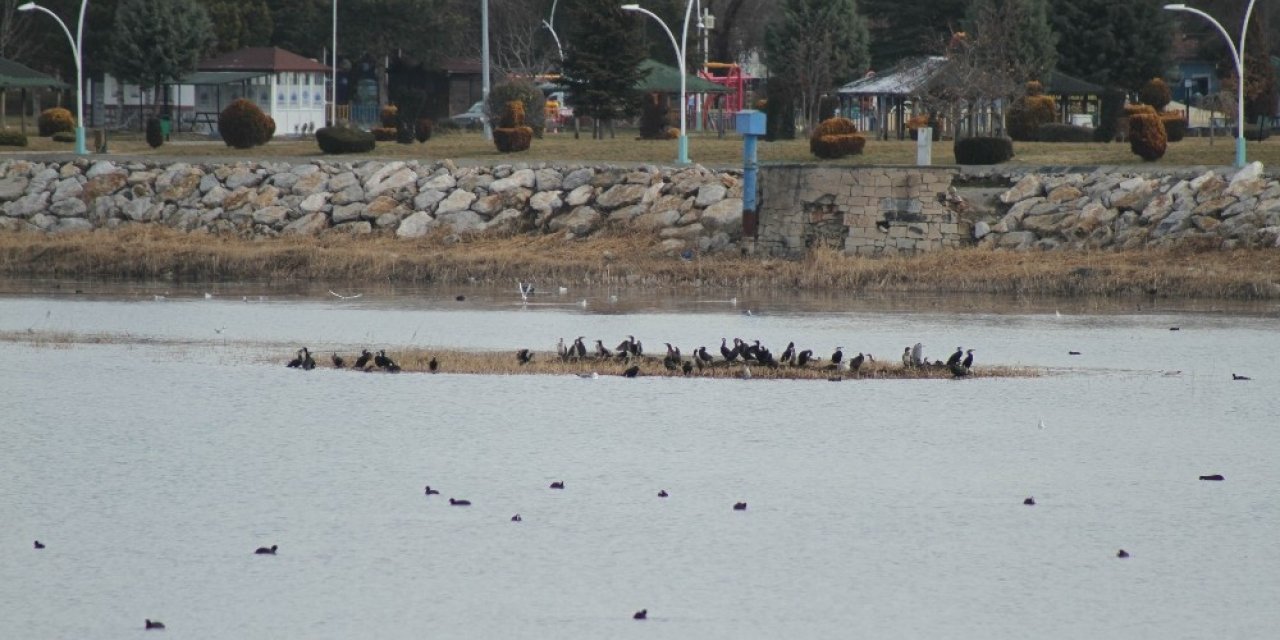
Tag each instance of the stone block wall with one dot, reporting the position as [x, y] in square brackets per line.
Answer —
[858, 210]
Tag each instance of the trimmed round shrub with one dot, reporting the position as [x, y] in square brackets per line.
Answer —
[837, 146]
[529, 95]
[1147, 137]
[53, 120]
[12, 138]
[653, 117]
[384, 134]
[983, 150]
[1028, 113]
[155, 134]
[1155, 93]
[512, 134]
[836, 138]
[422, 129]
[243, 125]
[1175, 126]
[1059, 132]
[388, 116]
[344, 140]
[404, 133]
[64, 136]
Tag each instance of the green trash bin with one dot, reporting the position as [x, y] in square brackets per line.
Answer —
[166, 125]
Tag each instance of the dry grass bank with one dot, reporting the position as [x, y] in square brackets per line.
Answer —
[630, 260]
[705, 148]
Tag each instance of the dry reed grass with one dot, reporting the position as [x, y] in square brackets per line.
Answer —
[625, 259]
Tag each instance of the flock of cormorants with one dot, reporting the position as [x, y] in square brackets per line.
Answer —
[631, 351]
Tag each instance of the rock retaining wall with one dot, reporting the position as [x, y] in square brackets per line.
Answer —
[1126, 210]
[688, 208]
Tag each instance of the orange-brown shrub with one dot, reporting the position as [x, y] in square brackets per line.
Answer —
[388, 116]
[1155, 93]
[53, 120]
[1175, 125]
[1027, 113]
[512, 135]
[1147, 136]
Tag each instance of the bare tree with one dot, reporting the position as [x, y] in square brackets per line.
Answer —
[521, 44]
[18, 41]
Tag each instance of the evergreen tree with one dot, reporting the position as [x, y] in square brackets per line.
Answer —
[603, 52]
[154, 43]
[905, 28]
[304, 27]
[239, 23]
[1115, 44]
[816, 45]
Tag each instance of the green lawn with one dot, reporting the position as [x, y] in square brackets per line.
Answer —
[703, 148]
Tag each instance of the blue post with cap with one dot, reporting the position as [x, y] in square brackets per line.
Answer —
[751, 124]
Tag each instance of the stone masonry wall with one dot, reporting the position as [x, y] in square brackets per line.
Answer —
[859, 210]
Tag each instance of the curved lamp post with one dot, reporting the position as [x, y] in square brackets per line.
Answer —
[681, 49]
[1237, 57]
[75, 52]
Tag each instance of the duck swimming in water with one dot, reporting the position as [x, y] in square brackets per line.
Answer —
[153, 624]
[739, 506]
[39, 545]
[430, 492]
[459, 503]
[266, 551]
[558, 484]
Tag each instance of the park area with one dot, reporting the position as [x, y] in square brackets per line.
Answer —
[706, 149]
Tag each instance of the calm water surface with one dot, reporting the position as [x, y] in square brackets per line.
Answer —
[154, 466]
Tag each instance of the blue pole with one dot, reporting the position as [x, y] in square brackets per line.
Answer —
[749, 169]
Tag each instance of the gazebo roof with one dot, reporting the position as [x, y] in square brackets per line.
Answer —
[272, 59]
[661, 78]
[15, 75]
[1060, 84]
[907, 78]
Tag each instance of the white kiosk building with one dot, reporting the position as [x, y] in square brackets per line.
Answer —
[288, 87]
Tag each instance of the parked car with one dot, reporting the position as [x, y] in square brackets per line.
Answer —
[472, 118]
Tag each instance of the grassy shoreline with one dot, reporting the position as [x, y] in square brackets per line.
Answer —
[621, 260]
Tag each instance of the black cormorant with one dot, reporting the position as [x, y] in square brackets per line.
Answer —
[686, 367]
[381, 360]
[154, 624]
[267, 551]
[430, 492]
[363, 359]
[804, 357]
[632, 371]
[459, 503]
[39, 545]
[642, 614]
[337, 360]
[955, 357]
[662, 493]
[837, 356]
[739, 506]
[968, 359]
[856, 362]
[433, 365]
[601, 351]
[1029, 502]
[1240, 377]
[1215, 477]
[1122, 554]
[524, 356]
[729, 354]
[516, 518]
[789, 353]
[558, 484]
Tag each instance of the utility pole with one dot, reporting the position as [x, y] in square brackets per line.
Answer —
[484, 66]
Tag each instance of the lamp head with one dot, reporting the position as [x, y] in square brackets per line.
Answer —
[631, 7]
[708, 20]
[27, 6]
[1175, 7]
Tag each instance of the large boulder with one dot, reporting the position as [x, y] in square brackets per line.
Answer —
[308, 225]
[459, 200]
[621, 195]
[725, 215]
[524, 178]
[1029, 186]
[580, 222]
[417, 225]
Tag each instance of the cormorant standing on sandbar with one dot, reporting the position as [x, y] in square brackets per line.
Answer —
[601, 351]
[968, 359]
[626, 345]
[363, 359]
[906, 358]
[337, 360]
[578, 349]
[433, 365]
[789, 353]
[804, 357]
[308, 363]
[837, 356]
[729, 354]
[686, 367]
[703, 356]
[524, 356]
[381, 360]
[297, 361]
[955, 357]
[856, 362]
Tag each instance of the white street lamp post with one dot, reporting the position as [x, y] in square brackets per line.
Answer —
[681, 49]
[548, 23]
[1237, 57]
[333, 73]
[484, 64]
[75, 51]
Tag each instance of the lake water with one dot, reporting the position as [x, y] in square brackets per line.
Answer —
[152, 466]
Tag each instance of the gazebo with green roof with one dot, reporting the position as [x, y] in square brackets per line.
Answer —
[15, 75]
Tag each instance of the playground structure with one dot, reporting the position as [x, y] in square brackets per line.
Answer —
[715, 111]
